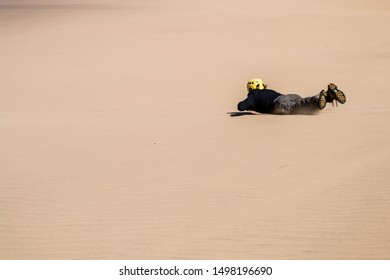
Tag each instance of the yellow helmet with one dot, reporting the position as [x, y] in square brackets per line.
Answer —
[255, 84]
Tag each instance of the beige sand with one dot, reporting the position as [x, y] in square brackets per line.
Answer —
[116, 142]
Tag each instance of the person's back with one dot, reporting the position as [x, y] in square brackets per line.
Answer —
[261, 101]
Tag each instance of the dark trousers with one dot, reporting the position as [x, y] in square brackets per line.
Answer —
[295, 104]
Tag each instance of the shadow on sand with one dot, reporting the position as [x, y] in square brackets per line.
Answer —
[301, 113]
[239, 114]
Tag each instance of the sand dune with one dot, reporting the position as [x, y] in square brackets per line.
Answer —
[117, 142]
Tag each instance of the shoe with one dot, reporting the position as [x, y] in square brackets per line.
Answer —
[322, 99]
[333, 93]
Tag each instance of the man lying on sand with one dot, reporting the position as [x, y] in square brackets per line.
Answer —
[263, 100]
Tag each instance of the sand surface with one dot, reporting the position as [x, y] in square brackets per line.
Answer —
[116, 140]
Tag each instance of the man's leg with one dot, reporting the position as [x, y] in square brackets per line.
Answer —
[286, 103]
[312, 104]
[295, 104]
[330, 96]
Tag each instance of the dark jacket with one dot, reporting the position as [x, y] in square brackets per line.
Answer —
[261, 101]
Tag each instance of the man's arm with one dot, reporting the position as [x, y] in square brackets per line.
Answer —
[247, 104]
